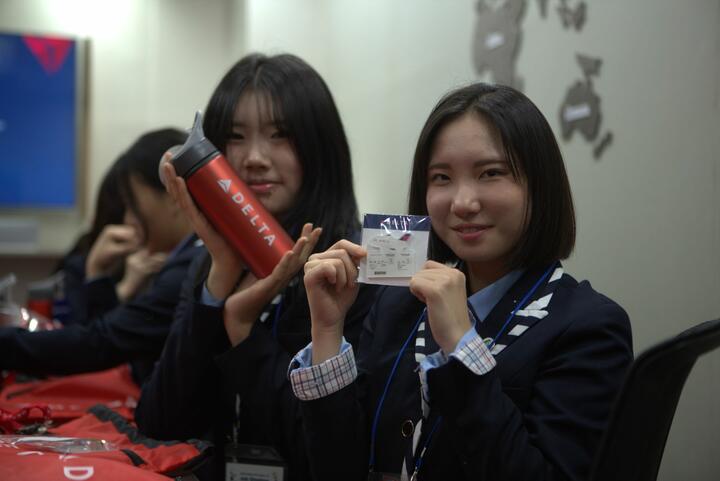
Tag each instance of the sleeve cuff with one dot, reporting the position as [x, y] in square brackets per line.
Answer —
[475, 355]
[310, 382]
[439, 358]
[208, 299]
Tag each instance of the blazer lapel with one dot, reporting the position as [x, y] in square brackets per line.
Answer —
[527, 316]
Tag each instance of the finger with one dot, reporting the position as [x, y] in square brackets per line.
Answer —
[155, 262]
[356, 251]
[284, 270]
[119, 232]
[200, 224]
[159, 257]
[126, 240]
[348, 264]
[419, 287]
[313, 237]
[304, 234]
[435, 265]
[299, 246]
[167, 171]
[306, 230]
[343, 276]
[320, 273]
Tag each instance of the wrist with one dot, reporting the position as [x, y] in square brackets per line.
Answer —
[452, 338]
[237, 332]
[221, 282]
[326, 343]
[122, 290]
[92, 270]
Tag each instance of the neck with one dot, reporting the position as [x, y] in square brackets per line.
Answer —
[481, 275]
[178, 233]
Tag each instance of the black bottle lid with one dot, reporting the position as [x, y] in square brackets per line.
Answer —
[194, 151]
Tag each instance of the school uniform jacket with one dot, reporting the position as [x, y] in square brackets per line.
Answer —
[132, 332]
[538, 415]
[201, 380]
[85, 300]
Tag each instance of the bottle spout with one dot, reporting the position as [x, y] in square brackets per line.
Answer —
[196, 133]
[195, 149]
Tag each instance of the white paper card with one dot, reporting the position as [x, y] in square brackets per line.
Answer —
[396, 246]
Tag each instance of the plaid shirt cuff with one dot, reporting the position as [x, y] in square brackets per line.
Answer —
[320, 380]
[476, 356]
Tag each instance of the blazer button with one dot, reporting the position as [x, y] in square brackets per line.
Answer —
[407, 428]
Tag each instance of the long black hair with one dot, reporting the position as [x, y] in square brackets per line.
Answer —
[141, 161]
[109, 209]
[302, 100]
[534, 157]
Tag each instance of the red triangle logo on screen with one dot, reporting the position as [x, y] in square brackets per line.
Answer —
[50, 52]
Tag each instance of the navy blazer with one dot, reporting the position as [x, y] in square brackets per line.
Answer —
[133, 332]
[193, 390]
[539, 415]
[85, 300]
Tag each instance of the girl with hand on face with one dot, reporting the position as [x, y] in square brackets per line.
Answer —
[108, 264]
[494, 364]
[223, 374]
[134, 331]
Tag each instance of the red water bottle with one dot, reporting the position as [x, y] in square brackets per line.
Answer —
[229, 204]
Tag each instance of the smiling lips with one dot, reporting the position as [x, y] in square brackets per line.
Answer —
[470, 232]
[261, 186]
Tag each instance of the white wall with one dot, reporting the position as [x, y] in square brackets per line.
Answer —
[648, 215]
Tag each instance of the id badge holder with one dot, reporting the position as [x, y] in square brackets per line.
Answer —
[396, 247]
[247, 462]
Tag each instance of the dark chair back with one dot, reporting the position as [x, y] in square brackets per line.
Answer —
[634, 441]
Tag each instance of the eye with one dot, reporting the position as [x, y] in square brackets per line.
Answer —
[235, 136]
[493, 172]
[279, 134]
[439, 178]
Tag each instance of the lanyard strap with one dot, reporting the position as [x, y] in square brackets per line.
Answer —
[373, 431]
[423, 315]
[491, 343]
[419, 460]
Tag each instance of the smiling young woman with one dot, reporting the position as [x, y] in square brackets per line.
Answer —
[223, 374]
[494, 363]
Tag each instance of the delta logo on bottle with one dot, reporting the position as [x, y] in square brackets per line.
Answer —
[249, 211]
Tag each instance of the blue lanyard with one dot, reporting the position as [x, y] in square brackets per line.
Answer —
[423, 315]
[373, 431]
[519, 305]
[419, 460]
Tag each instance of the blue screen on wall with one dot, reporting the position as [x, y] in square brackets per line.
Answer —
[38, 124]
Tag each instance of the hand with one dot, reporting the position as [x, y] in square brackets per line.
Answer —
[227, 265]
[244, 306]
[139, 267]
[331, 284]
[443, 291]
[114, 243]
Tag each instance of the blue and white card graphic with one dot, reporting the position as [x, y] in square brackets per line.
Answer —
[397, 248]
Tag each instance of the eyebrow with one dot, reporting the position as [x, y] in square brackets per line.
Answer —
[446, 165]
[271, 123]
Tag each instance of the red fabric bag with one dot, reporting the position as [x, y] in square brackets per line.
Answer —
[69, 397]
[28, 464]
[123, 454]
